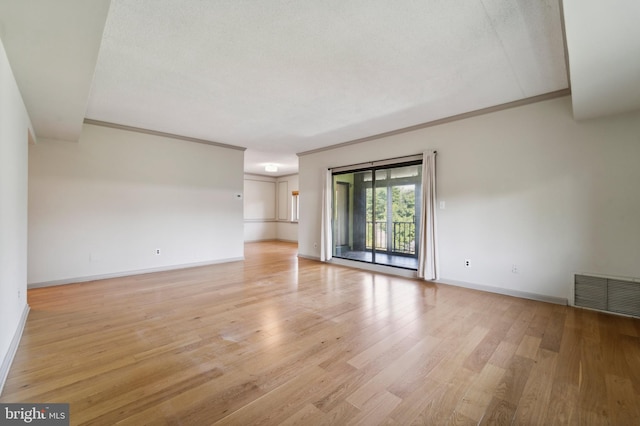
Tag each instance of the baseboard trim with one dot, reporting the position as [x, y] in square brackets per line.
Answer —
[407, 273]
[304, 256]
[13, 348]
[264, 240]
[504, 291]
[130, 273]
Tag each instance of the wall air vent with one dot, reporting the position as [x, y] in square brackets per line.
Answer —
[608, 294]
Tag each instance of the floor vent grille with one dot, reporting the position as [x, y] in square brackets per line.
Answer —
[608, 294]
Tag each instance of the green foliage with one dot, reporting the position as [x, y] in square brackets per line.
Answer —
[403, 204]
[403, 212]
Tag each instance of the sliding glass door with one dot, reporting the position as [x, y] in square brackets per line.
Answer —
[375, 216]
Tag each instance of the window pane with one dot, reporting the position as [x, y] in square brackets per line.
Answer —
[407, 171]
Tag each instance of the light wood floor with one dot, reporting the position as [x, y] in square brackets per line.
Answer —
[281, 340]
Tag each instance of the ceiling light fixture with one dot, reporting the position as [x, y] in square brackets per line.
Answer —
[270, 168]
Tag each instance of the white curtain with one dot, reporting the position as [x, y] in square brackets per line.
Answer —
[326, 240]
[427, 262]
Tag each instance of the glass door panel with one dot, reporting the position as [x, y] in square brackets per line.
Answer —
[375, 215]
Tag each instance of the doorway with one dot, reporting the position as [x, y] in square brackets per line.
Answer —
[375, 214]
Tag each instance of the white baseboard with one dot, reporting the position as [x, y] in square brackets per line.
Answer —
[304, 256]
[505, 291]
[412, 274]
[13, 348]
[129, 273]
[264, 240]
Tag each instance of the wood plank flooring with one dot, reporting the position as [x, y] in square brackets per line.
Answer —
[279, 340]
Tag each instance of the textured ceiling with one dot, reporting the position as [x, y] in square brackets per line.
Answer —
[282, 77]
[279, 76]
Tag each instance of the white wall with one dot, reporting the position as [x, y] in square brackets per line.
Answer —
[287, 230]
[527, 186]
[103, 205]
[260, 231]
[267, 202]
[259, 208]
[14, 127]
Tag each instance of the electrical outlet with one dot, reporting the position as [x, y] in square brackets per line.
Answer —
[514, 269]
[157, 252]
[315, 245]
[467, 263]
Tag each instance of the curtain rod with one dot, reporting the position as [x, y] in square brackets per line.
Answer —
[370, 163]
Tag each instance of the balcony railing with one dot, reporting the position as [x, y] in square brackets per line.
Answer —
[402, 240]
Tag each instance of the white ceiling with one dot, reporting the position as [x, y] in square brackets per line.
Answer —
[281, 77]
[277, 76]
[604, 52]
[53, 47]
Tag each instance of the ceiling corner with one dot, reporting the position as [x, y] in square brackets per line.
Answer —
[603, 44]
[53, 48]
